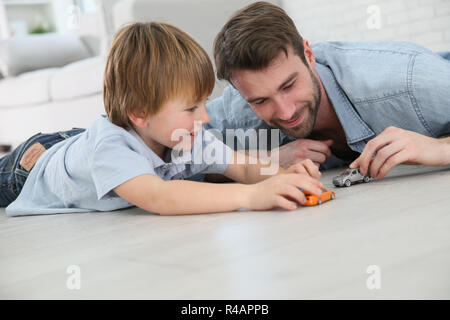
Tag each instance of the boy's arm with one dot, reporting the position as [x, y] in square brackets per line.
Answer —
[153, 194]
[247, 169]
[175, 197]
[240, 170]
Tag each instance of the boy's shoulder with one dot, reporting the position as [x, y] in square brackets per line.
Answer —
[103, 127]
[103, 130]
[104, 137]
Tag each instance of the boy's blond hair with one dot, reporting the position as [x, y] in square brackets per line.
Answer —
[149, 64]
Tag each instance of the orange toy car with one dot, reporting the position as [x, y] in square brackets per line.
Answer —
[312, 200]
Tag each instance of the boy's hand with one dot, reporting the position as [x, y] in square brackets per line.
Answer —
[282, 190]
[306, 167]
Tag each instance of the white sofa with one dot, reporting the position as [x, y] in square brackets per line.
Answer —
[53, 82]
[55, 99]
[50, 100]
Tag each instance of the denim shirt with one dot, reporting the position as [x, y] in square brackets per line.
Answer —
[371, 85]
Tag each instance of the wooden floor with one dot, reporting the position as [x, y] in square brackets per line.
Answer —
[400, 224]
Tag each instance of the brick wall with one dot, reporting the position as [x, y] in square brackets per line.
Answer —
[425, 22]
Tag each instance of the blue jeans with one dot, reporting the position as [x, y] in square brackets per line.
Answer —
[13, 175]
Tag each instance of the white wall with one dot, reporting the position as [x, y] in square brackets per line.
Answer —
[203, 19]
[425, 22]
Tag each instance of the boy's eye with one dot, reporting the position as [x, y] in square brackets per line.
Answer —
[192, 109]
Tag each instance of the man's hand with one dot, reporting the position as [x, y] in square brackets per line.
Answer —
[315, 150]
[395, 146]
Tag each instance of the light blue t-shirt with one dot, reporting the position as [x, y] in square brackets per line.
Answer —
[80, 173]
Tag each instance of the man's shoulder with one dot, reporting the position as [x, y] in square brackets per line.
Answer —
[231, 110]
[369, 70]
[364, 47]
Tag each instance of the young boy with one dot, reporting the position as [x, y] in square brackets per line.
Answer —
[156, 82]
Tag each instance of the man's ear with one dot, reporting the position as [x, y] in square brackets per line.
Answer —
[309, 54]
[138, 118]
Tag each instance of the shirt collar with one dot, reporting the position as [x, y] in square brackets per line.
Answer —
[356, 130]
[157, 161]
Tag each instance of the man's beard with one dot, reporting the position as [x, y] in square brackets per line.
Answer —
[305, 127]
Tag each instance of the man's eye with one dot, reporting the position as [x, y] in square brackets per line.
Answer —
[260, 102]
[289, 86]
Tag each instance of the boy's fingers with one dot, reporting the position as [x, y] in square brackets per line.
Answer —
[312, 169]
[295, 194]
[300, 168]
[307, 183]
[308, 167]
[285, 203]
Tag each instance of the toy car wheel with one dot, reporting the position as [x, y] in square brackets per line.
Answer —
[347, 183]
[319, 202]
[366, 179]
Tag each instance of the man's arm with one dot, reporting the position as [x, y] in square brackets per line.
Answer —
[429, 84]
[395, 146]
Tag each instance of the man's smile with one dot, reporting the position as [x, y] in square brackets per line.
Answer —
[296, 120]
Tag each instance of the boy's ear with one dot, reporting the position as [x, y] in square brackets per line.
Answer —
[138, 118]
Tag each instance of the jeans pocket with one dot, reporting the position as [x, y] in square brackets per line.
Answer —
[6, 196]
[17, 181]
[6, 165]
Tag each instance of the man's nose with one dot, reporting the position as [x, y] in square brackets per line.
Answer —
[284, 110]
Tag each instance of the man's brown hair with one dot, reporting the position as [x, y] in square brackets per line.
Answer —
[253, 37]
[150, 63]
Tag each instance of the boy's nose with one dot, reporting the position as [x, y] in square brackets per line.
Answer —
[205, 116]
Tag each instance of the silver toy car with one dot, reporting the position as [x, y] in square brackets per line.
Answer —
[349, 177]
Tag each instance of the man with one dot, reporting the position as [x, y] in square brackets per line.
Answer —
[372, 104]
